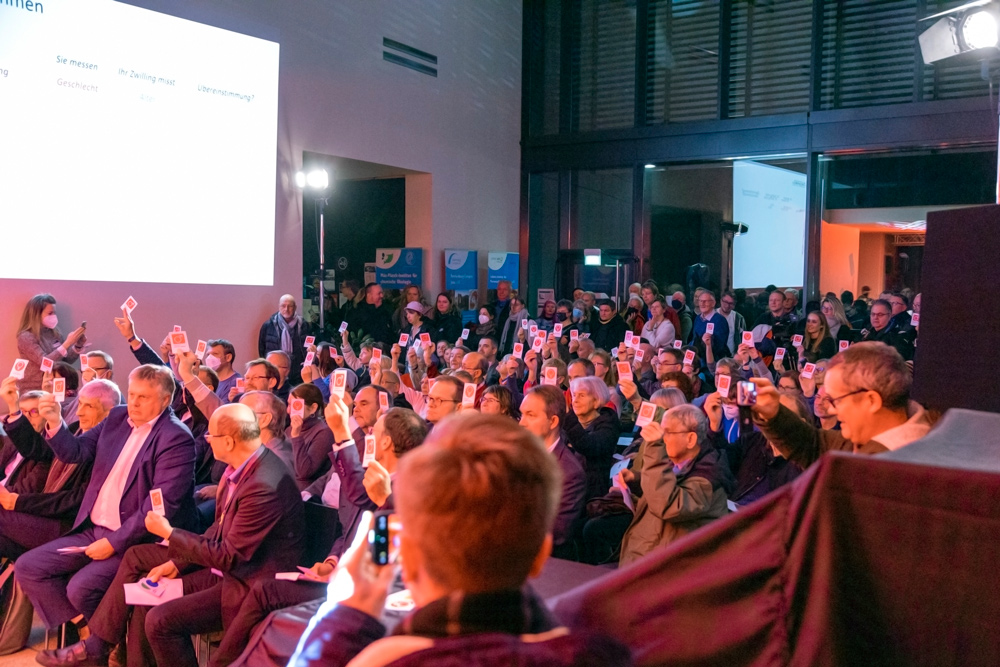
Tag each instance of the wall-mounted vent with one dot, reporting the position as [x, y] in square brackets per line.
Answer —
[407, 56]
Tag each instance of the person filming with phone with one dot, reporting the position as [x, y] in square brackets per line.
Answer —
[868, 390]
[476, 503]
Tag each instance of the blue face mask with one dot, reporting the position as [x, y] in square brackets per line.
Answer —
[577, 313]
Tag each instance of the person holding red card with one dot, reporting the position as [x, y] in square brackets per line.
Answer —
[38, 336]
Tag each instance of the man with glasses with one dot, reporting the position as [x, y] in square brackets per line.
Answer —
[261, 375]
[867, 389]
[444, 398]
[477, 366]
[716, 341]
[883, 330]
[100, 366]
[737, 323]
[283, 363]
[685, 483]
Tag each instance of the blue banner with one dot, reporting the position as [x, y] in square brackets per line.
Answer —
[503, 266]
[395, 268]
[461, 270]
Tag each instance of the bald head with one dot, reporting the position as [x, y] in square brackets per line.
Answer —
[233, 434]
[476, 365]
[287, 307]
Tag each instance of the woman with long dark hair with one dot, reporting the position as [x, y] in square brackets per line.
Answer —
[38, 337]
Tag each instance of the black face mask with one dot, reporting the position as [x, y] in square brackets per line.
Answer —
[676, 304]
[561, 317]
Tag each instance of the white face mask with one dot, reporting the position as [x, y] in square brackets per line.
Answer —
[50, 321]
[213, 362]
[484, 319]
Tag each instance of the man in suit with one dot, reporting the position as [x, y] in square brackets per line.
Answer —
[139, 447]
[30, 519]
[542, 412]
[258, 531]
[396, 432]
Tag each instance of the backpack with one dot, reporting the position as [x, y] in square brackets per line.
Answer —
[16, 612]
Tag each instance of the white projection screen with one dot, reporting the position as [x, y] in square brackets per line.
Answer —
[132, 141]
[771, 201]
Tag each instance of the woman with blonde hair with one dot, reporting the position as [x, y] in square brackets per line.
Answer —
[38, 337]
[836, 319]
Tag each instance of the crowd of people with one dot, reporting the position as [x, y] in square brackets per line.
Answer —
[591, 430]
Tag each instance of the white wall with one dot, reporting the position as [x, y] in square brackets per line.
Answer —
[337, 97]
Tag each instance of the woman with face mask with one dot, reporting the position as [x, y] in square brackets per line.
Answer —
[38, 336]
[485, 327]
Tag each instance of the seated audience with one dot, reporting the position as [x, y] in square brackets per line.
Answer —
[591, 430]
[816, 340]
[543, 411]
[271, 415]
[885, 329]
[310, 436]
[868, 386]
[261, 375]
[143, 437]
[658, 330]
[466, 550]
[220, 358]
[285, 331]
[283, 363]
[685, 483]
[499, 400]
[257, 532]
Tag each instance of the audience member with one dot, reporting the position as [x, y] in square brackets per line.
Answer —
[499, 400]
[685, 483]
[283, 363]
[485, 329]
[591, 430]
[443, 398]
[734, 319]
[143, 437]
[370, 318]
[100, 366]
[310, 436]
[658, 330]
[883, 330]
[816, 341]
[467, 548]
[608, 332]
[716, 342]
[38, 337]
[517, 320]
[257, 532]
[447, 322]
[777, 320]
[220, 358]
[499, 309]
[271, 416]
[869, 393]
[836, 319]
[285, 331]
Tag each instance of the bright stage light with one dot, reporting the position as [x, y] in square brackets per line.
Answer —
[979, 30]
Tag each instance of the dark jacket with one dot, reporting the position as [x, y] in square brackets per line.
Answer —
[269, 340]
[607, 335]
[597, 444]
[62, 493]
[29, 475]
[446, 326]
[166, 461]
[757, 470]
[311, 449]
[372, 321]
[574, 495]
[262, 532]
[675, 502]
[827, 348]
[895, 335]
[472, 630]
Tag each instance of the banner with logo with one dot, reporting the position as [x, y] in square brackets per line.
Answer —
[461, 276]
[395, 268]
[503, 266]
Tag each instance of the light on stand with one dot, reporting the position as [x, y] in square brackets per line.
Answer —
[317, 181]
[979, 30]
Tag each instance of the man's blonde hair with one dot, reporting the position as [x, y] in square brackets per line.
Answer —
[478, 498]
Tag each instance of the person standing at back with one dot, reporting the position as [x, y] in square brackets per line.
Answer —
[38, 337]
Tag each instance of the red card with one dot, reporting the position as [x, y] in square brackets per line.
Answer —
[677, 344]
[241, 384]
[129, 305]
[533, 330]
[797, 339]
[339, 383]
[722, 384]
[710, 328]
[550, 375]
[640, 354]
[383, 401]
[779, 354]
[747, 338]
[46, 364]
[425, 338]
[59, 389]
[843, 345]
[309, 341]
[624, 370]
[469, 395]
[519, 350]
[19, 367]
[808, 370]
[574, 334]
[298, 407]
[465, 334]
[178, 327]
[557, 329]
[689, 357]
[310, 356]
[376, 354]
[404, 339]
[536, 344]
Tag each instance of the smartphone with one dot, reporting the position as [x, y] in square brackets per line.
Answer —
[746, 394]
[383, 538]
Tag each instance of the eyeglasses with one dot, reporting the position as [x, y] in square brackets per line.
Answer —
[676, 432]
[489, 399]
[213, 435]
[33, 412]
[834, 401]
[437, 401]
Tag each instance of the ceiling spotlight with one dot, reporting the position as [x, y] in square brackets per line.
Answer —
[971, 27]
[315, 179]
